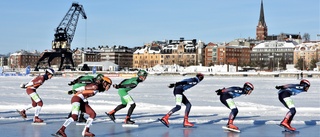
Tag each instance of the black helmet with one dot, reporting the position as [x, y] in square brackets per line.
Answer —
[200, 76]
[248, 88]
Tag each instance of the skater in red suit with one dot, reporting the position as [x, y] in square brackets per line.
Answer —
[285, 91]
[226, 98]
[179, 88]
[77, 102]
[36, 101]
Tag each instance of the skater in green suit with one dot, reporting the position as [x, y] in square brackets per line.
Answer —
[123, 88]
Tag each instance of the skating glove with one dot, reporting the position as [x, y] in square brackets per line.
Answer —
[71, 83]
[115, 86]
[172, 85]
[279, 87]
[23, 85]
[71, 92]
[219, 91]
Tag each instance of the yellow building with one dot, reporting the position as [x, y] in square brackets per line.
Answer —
[146, 57]
[306, 51]
[180, 52]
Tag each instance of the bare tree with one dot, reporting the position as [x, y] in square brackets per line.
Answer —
[306, 37]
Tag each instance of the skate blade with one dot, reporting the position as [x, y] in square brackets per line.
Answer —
[80, 124]
[130, 125]
[189, 127]
[286, 129]
[114, 120]
[164, 123]
[56, 135]
[21, 115]
[39, 123]
[290, 132]
[230, 129]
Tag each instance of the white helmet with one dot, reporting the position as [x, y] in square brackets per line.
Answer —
[50, 70]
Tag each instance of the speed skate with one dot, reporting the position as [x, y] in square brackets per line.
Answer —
[21, 114]
[163, 122]
[231, 129]
[287, 130]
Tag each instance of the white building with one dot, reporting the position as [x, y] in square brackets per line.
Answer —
[273, 54]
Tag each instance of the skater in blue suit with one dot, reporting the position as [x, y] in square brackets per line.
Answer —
[285, 91]
[179, 88]
[226, 98]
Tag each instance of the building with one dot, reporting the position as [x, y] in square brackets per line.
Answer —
[91, 56]
[3, 61]
[169, 52]
[308, 52]
[235, 53]
[120, 55]
[273, 55]
[147, 56]
[200, 52]
[22, 59]
[100, 66]
[238, 52]
[78, 56]
[210, 54]
[318, 66]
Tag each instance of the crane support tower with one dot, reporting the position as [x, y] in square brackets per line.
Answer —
[61, 45]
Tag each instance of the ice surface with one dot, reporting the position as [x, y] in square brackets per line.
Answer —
[258, 112]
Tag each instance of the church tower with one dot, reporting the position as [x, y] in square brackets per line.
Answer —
[262, 29]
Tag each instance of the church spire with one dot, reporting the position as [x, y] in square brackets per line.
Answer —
[262, 29]
[261, 19]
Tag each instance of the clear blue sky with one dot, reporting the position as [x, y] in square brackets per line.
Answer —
[30, 24]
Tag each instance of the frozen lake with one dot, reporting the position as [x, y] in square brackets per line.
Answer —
[258, 112]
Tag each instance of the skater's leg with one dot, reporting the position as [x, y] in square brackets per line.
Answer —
[92, 115]
[186, 102]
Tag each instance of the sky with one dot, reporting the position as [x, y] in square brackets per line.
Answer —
[30, 25]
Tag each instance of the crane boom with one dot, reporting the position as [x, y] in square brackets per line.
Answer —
[67, 27]
[63, 37]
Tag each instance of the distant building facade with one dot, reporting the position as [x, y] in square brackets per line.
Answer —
[235, 53]
[120, 55]
[210, 54]
[273, 55]
[22, 59]
[147, 56]
[180, 52]
[3, 61]
[308, 52]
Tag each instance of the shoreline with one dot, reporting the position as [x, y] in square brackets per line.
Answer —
[307, 74]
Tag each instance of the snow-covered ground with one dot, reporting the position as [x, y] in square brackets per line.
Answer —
[258, 112]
